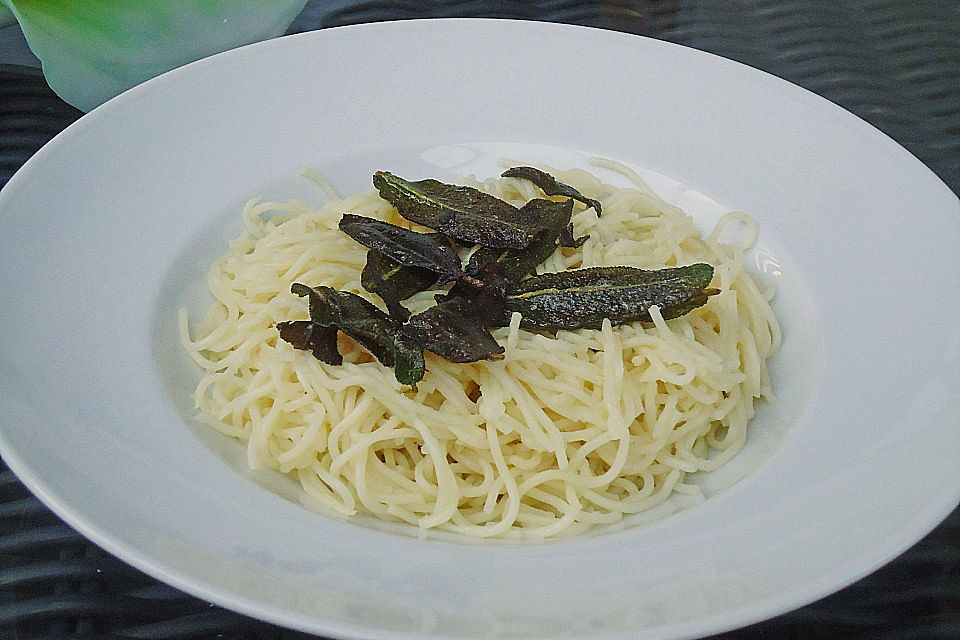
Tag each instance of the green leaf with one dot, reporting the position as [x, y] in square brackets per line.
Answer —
[567, 239]
[322, 312]
[310, 336]
[356, 317]
[582, 298]
[550, 185]
[359, 319]
[697, 301]
[394, 282]
[92, 50]
[410, 365]
[518, 263]
[462, 213]
[450, 330]
[404, 246]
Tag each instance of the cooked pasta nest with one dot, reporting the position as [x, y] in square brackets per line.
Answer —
[567, 431]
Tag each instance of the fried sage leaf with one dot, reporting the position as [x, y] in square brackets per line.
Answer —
[567, 239]
[403, 246]
[322, 312]
[462, 213]
[356, 317]
[518, 263]
[410, 365]
[582, 298]
[485, 292]
[669, 313]
[488, 299]
[550, 185]
[450, 330]
[394, 282]
[365, 323]
[310, 336]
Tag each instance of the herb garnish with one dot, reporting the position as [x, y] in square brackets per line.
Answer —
[401, 262]
[462, 213]
[582, 298]
[405, 247]
[449, 329]
[550, 185]
[308, 335]
[331, 310]
[394, 282]
[554, 219]
[510, 244]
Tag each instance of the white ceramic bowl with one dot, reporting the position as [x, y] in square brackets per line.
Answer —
[110, 227]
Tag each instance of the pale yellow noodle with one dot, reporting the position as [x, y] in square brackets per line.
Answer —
[568, 431]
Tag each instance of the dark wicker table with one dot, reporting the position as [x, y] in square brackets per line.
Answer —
[896, 64]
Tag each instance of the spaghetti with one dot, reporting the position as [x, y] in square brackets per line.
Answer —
[567, 431]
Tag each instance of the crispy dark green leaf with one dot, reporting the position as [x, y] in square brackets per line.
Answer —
[550, 185]
[487, 301]
[394, 282]
[309, 336]
[368, 325]
[669, 313]
[406, 247]
[567, 239]
[410, 365]
[554, 219]
[582, 298]
[451, 331]
[459, 212]
[361, 320]
[484, 291]
[322, 312]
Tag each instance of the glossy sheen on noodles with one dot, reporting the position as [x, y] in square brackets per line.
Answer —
[566, 432]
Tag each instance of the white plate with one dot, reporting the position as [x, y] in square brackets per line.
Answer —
[111, 226]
